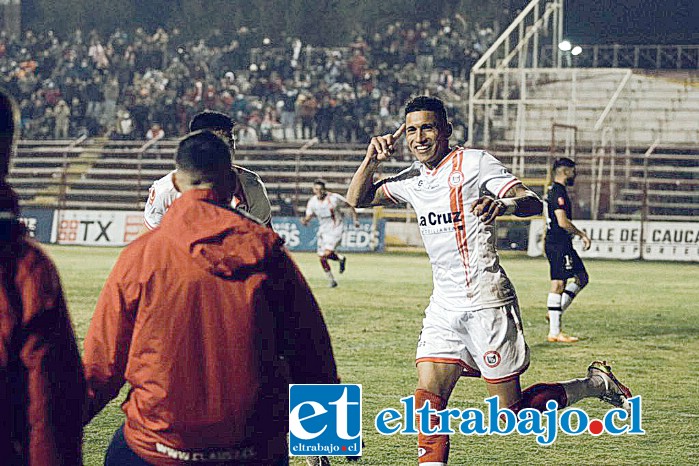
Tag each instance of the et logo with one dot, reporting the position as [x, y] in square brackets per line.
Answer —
[325, 420]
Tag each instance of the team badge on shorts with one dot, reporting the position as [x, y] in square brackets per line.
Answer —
[456, 178]
[492, 358]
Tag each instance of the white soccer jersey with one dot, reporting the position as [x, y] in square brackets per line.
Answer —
[327, 210]
[163, 193]
[465, 265]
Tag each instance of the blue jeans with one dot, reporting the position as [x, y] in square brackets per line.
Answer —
[119, 453]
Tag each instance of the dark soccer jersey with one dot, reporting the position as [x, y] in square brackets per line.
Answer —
[557, 198]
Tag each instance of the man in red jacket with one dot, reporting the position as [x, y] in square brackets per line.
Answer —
[209, 320]
[42, 386]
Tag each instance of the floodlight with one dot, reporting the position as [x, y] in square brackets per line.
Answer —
[565, 46]
[577, 50]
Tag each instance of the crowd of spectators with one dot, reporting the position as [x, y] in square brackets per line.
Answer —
[134, 85]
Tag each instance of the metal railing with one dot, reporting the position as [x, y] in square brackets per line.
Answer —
[649, 57]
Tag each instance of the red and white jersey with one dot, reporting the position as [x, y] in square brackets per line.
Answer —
[160, 197]
[163, 193]
[465, 265]
[327, 210]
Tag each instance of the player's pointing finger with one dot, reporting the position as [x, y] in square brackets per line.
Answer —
[399, 132]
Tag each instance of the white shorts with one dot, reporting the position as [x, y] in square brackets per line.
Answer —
[329, 238]
[488, 343]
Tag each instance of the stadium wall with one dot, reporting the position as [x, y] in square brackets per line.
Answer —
[666, 241]
[119, 228]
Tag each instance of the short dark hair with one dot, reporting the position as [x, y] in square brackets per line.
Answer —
[429, 104]
[319, 181]
[203, 152]
[563, 162]
[212, 121]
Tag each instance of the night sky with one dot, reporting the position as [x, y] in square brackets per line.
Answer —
[632, 21]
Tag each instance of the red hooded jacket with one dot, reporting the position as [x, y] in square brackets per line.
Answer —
[209, 320]
[42, 386]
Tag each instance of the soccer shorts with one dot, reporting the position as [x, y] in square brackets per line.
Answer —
[329, 238]
[564, 261]
[488, 343]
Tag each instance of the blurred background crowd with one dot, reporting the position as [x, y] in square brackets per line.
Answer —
[142, 84]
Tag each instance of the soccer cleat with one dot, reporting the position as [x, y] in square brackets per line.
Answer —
[318, 461]
[562, 338]
[615, 393]
[343, 263]
[332, 284]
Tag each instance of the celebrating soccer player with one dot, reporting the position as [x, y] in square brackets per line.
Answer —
[250, 195]
[326, 206]
[472, 325]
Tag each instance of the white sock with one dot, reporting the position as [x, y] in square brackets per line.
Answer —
[554, 305]
[569, 294]
[577, 389]
[329, 274]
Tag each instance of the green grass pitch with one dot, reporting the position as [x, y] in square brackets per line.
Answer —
[641, 316]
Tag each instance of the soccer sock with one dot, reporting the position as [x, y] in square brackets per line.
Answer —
[334, 256]
[433, 450]
[577, 389]
[324, 264]
[555, 311]
[538, 395]
[571, 291]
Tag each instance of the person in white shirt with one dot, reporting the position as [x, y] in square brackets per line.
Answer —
[250, 195]
[327, 208]
[472, 326]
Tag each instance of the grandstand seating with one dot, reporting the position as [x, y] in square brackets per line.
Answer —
[116, 175]
[648, 106]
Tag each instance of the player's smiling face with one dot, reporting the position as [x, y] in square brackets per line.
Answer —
[427, 136]
[319, 190]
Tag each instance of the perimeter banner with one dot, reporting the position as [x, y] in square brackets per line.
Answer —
[96, 227]
[671, 241]
[355, 239]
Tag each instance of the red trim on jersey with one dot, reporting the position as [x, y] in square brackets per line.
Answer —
[456, 197]
[507, 187]
[444, 161]
[388, 194]
[148, 225]
[468, 370]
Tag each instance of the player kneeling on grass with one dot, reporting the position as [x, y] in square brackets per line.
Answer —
[472, 325]
[208, 319]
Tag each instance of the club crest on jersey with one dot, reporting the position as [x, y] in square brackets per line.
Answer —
[151, 196]
[561, 201]
[456, 178]
[492, 358]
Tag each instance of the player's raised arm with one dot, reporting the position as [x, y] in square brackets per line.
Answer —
[362, 190]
